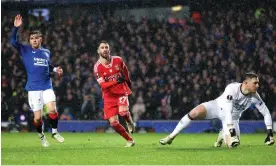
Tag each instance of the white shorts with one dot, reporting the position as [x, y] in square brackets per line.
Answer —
[214, 110]
[38, 98]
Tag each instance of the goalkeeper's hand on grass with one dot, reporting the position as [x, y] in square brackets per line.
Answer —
[269, 140]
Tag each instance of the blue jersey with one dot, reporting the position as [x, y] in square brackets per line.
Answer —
[36, 62]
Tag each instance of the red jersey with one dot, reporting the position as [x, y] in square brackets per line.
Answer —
[107, 76]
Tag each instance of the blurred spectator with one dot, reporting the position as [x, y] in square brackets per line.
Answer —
[66, 115]
[88, 107]
[138, 109]
[192, 61]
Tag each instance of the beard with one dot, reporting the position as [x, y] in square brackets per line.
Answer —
[105, 56]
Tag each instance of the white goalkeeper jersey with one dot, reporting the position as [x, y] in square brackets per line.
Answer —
[233, 99]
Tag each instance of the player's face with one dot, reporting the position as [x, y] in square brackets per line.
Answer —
[104, 50]
[35, 41]
[253, 84]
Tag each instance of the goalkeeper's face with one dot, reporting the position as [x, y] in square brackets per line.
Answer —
[104, 51]
[252, 84]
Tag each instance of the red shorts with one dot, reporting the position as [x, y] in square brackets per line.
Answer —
[112, 108]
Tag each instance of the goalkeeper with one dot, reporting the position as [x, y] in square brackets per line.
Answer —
[229, 107]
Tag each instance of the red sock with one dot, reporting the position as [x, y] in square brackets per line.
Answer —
[125, 115]
[38, 126]
[53, 117]
[121, 130]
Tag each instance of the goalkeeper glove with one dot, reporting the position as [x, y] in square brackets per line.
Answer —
[269, 140]
[121, 79]
[234, 139]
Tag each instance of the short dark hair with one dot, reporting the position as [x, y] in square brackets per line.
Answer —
[102, 41]
[249, 75]
[37, 32]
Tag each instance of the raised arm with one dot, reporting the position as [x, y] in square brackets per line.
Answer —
[13, 40]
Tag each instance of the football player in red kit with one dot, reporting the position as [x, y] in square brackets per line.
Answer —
[113, 77]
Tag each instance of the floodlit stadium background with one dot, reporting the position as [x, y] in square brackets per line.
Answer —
[179, 54]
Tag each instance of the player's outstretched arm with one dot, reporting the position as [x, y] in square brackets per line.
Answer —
[262, 108]
[17, 23]
[226, 100]
[233, 140]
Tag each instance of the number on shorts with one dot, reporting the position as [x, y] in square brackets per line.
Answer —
[122, 100]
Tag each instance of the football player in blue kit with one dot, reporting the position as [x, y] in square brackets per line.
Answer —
[36, 60]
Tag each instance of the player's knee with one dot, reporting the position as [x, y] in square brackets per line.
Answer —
[51, 106]
[198, 113]
[37, 119]
[52, 111]
[123, 109]
[114, 123]
[193, 115]
[124, 113]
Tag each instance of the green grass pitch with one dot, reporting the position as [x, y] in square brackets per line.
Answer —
[94, 148]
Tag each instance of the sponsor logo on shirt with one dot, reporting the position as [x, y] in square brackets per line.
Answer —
[238, 106]
[117, 67]
[241, 106]
[40, 62]
[112, 77]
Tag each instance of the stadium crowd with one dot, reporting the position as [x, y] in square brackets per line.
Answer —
[173, 66]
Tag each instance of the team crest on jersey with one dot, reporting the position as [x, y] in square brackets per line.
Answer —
[229, 97]
[104, 73]
[110, 70]
[117, 67]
